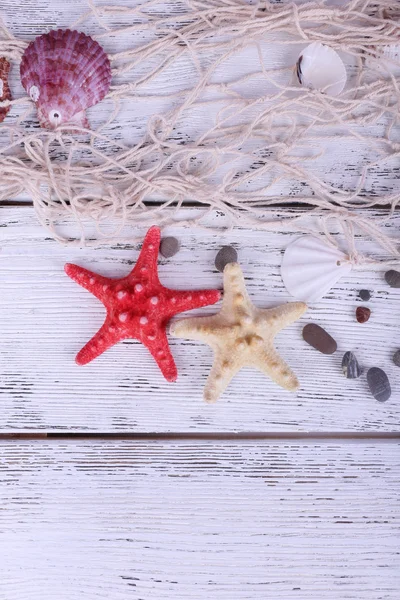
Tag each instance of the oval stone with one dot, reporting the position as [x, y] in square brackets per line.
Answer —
[396, 358]
[351, 368]
[379, 384]
[169, 246]
[319, 339]
[363, 314]
[393, 278]
[365, 295]
[226, 255]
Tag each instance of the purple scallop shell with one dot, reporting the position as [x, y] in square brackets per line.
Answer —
[65, 72]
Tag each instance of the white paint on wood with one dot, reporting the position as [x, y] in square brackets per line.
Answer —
[45, 318]
[190, 521]
[341, 160]
[185, 520]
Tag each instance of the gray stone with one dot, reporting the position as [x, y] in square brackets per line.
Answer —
[365, 295]
[379, 384]
[393, 278]
[396, 358]
[169, 246]
[351, 368]
[319, 339]
[226, 255]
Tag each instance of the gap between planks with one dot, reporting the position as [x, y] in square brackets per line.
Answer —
[340, 436]
[192, 204]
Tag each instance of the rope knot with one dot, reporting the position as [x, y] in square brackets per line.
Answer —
[355, 258]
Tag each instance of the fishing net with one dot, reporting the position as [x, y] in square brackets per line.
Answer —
[206, 110]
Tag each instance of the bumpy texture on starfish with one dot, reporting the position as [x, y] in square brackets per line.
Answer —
[241, 335]
[138, 306]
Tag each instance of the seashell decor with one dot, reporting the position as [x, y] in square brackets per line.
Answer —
[310, 268]
[5, 93]
[65, 72]
[319, 67]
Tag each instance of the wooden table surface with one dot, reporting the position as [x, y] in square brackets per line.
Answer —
[115, 484]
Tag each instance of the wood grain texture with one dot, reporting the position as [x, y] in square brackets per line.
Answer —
[148, 521]
[45, 319]
[341, 161]
[189, 520]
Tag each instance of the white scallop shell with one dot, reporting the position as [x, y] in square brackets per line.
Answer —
[310, 268]
[319, 67]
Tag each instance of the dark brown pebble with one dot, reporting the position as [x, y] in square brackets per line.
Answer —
[226, 255]
[365, 295]
[169, 246]
[396, 358]
[319, 339]
[363, 314]
[379, 384]
[393, 278]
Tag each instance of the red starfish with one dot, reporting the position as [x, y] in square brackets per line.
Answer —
[138, 306]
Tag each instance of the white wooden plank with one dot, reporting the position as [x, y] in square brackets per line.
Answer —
[342, 161]
[45, 318]
[150, 520]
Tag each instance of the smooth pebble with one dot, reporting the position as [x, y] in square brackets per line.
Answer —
[396, 358]
[169, 246]
[393, 278]
[379, 384]
[363, 314]
[226, 255]
[351, 368]
[365, 295]
[319, 339]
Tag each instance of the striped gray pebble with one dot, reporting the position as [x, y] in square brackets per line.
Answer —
[351, 368]
[379, 384]
[226, 255]
[169, 246]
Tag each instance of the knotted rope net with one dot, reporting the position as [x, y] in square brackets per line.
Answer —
[236, 132]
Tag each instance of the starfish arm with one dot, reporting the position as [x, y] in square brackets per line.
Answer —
[106, 337]
[267, 360]
[221, 374]
[205, 329]
[160, 350]
[146, 265]
[275, 319]
[90, 281]
[234, 287]
[180, 301]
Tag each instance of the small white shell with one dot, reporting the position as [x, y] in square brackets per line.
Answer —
[310, 268]
[319, 67]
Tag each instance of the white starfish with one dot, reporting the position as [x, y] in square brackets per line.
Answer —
[241, 335]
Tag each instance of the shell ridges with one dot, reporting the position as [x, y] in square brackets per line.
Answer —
[65, 72]
[310, 268]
